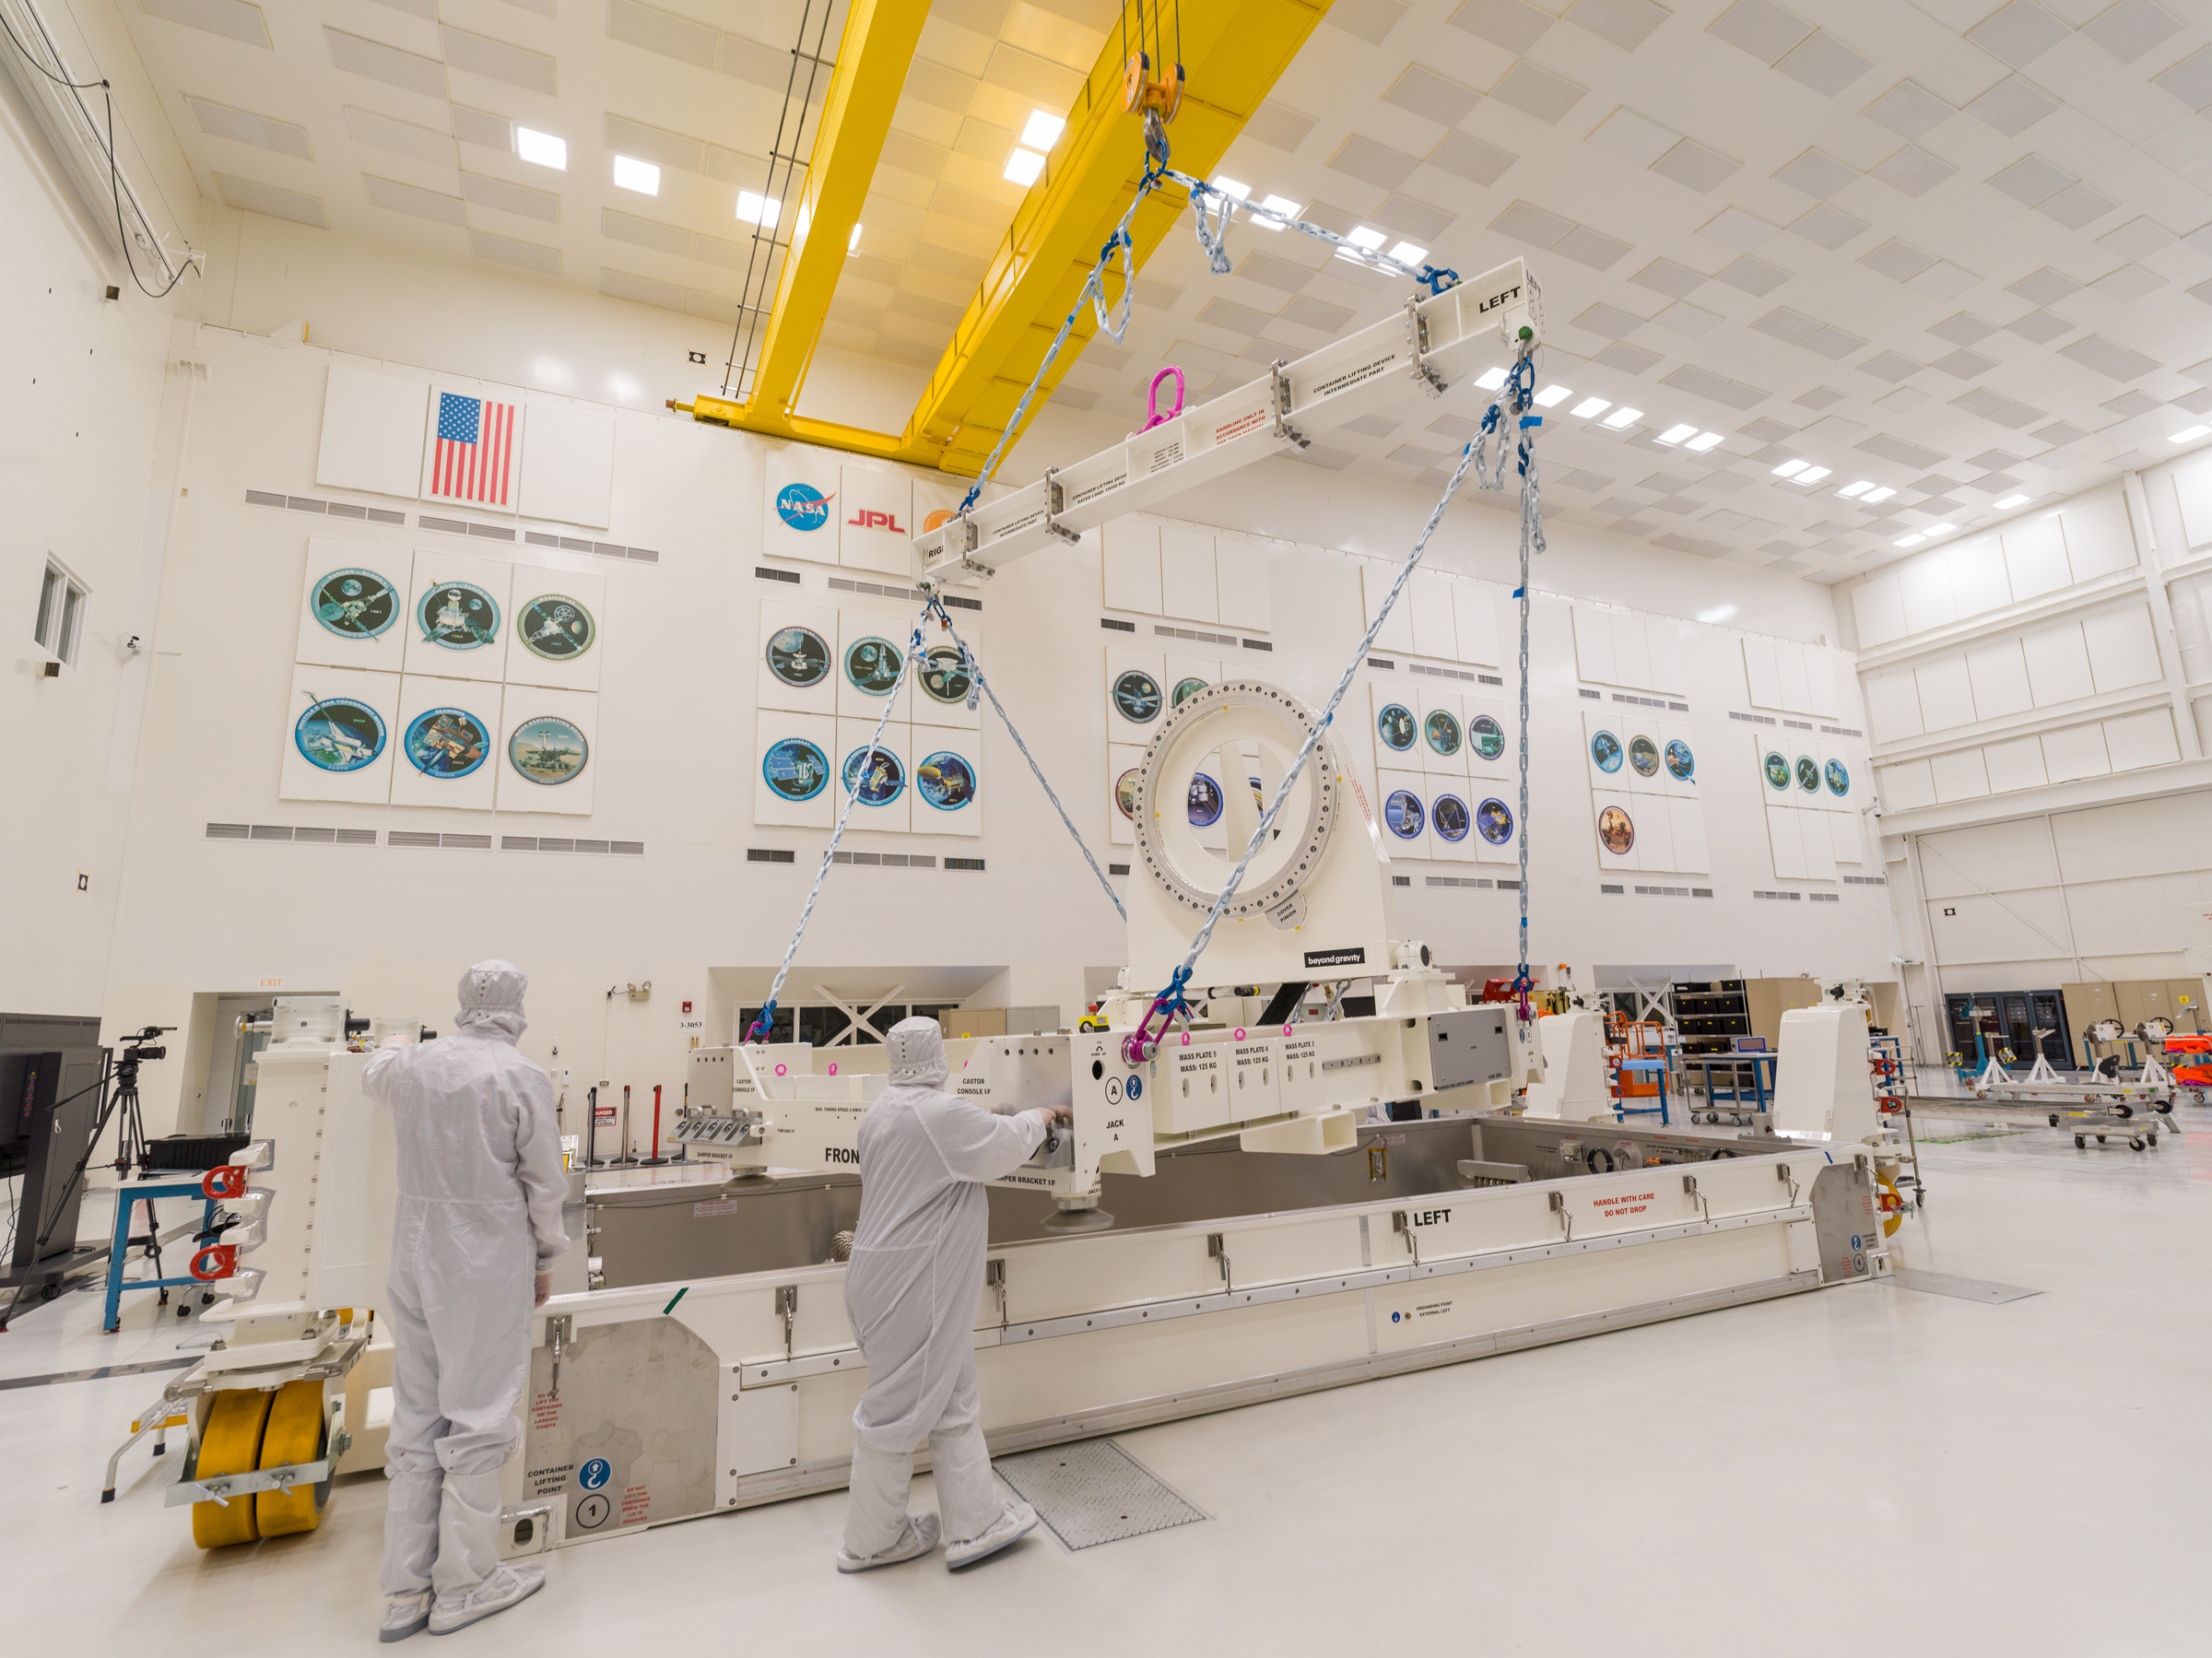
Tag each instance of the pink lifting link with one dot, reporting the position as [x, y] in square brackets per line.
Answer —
[1154, 417]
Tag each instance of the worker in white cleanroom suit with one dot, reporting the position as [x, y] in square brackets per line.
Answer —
[480, 1190]
[911, 1290]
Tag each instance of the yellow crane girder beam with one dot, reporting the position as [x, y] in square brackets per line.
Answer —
[1233, 50]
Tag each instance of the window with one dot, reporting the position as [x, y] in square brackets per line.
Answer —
[60, 613]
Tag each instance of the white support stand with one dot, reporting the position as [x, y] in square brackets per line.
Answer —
[1822, 1087]
[1573, 1089]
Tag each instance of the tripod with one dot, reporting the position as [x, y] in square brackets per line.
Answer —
[119, 1086]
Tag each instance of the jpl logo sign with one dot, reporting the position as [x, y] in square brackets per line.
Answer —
[866, 519]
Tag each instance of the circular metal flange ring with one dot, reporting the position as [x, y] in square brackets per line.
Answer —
[1231, 713]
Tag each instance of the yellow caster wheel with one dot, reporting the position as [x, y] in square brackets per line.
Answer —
[231, 1444]
[296, 1433]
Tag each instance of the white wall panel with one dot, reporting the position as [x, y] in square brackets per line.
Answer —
[1979, 581]
[2146, 739]
[2098, 538]
[948, 785]
[1960, 776]
[2058, 665]
[2079, 752]
[2026, 926]
[1669, 671]
[2167, 834]
[546, 751]
[1819, 844]
[2193, 492]
[1999, 675]
[2014, 765]
[341, 735]
[1785, 840]
[1136, 694]
[1655, 835]
[1893, 705]
[1443, 745]
[1633, 653]
[1429, 594]
[1926, 585]
[1821, 667]
[2035, 555]
[890, 777]
[1375, 578]
[1593, 658]
[1947, 693]
[448, 739]
[1994, 857]
[793, 764]
[568, 469]
[1474, 621]
[372, 432]
[1241, 575]
[353, 605]
[1789, 673]
[1452, 834]
[799, 518]
[1686, 820]
[1396, 724]
[1847, 838]
[1906, 787]
[458, 616]
[1760, 672]
[1403, 807]
[797, 662]
[1612, 834]
[2123, 649]
[1130, 567]
[1878, 608]
[1189, 586]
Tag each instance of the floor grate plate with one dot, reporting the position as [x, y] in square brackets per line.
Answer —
[1966, 1289]
[1094, 1492]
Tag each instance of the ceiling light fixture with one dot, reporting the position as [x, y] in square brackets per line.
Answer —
[1789, 468]
[1674, 435]
[1552, 396]
[852, 241]
[2011, 501]
[2188, 434]
[1935, 530]
[1230, 187]
[756, 210]
[1490, 380]
[1407, 253]
[1622, 416]
[633, 174]
[1361, 236]
[1704, 441]
[1809, 477]
[1913, 540]
[1852, 491]
[541, 149]
[1589, 406]
[1278, 204]
[1884, 493]
[1024, 166]
[1043, 131]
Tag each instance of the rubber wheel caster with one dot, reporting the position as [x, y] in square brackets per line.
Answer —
[2153, 1141]
[182, 1310]
[2054, 1119]
[2080, 1144]
[2099, 1139]
[2135, 1142]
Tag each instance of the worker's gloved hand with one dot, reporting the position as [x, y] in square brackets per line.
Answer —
[544, 1290]
[1055, 1113]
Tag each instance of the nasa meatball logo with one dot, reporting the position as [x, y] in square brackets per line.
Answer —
[803, 507]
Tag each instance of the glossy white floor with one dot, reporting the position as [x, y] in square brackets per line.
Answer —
[1836, 1472]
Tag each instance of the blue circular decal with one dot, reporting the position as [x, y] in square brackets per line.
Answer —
[1838, 778]
[594, 1474]
[945, 781]
[356, 604]
[1448, 816]
[547, 749]
[1495, 820]
[1135, 1090]
[339, 735]
[1404, 814]
[872, 665]
[446, 743]
[460, 616]
[1395, 727]
[1205, 802]
[885, 780]
[1681, 765]
[1605, 751]
[803, 507]
[795, 769]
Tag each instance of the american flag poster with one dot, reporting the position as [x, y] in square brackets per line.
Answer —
[474, 444]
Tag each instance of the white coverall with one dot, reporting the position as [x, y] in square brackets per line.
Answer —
[480, 1190]
[912, 1288]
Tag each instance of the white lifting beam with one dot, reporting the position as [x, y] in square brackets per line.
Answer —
[1441, 340]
